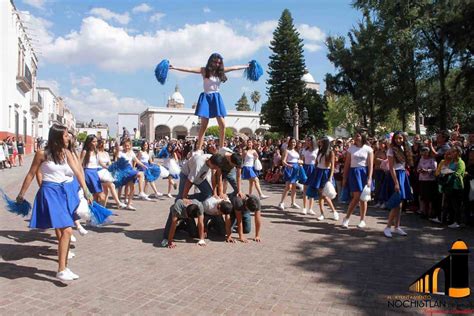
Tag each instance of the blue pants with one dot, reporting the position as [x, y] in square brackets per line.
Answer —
[204, 187]
[216, 222]
[231, 178]
[190, 224]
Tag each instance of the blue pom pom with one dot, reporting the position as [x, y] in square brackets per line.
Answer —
[345, 195]
[122, 172]
[302, 177]
[22, 208]
[254, 71]
[161, 71]
[152, 173]
[394, 201]
[99, 214]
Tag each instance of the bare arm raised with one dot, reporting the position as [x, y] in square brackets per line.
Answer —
[188, 69]
[233, 68]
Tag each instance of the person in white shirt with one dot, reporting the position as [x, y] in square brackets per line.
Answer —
[358, 169]
[292, 172]
[214, 209]
[310, 152]
[248, 171]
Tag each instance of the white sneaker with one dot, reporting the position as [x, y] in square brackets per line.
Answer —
[399, 231]
[454, 225]
[169, 195]
[377, 205]
[320, 218]
[70, 255]
[304, 212]
[294, 205]
[336, 216]
[82, 231]
[64, 276]
[382, 206]
[311, 212]
[131, 208]
[157, 195]
[345, 223]
[73, 275]
[362, 224]
[73, 238]
[143, 196]
[281, 206]
[387, 232]
[263, 197]
[436, 220]
[122, 205]
[164, 243]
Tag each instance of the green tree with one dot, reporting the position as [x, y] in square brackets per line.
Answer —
[214, 131]
[243, 103]
[255, 97]
[316, 106]
[341, 113]
[286, 67]
[81, 137]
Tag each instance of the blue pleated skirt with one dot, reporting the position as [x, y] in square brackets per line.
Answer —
[54, 206]
[405, 188]
[140, 168]
[312, 192]
[210, 105]
[248, 173]
[294, 174]
[357, 179]
[320, 178]
[92, 180]
[310, 173]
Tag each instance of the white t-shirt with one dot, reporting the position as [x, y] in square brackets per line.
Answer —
[93, 161]
[322, 163]
[292, 156]
[130, 157]
[359, 155]
[310, 156]
[396, 166]
[197, 170]
[210, 206]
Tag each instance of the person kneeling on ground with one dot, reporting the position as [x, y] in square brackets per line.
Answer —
[214, 209]
[241, 212]
[186, 210]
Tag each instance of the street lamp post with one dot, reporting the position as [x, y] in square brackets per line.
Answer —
[296, 119]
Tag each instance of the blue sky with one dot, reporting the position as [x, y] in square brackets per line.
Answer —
[100, 55]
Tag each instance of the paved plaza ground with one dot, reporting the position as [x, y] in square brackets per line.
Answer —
[302, 266]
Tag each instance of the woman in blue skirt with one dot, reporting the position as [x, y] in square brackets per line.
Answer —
[146, 159]
[210, 103]
[399, 157]
[310, 152]
[90, 163]
[358, 169]
[57, 197]
[324, 173]
[291, 173]
[248, 171]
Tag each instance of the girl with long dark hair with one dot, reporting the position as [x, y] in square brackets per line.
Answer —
[291, 162]
[108, 185]
[358, 168]
[310, 152]
[90, 163]
[324, 173]
[146, 159]
[248, 171]
[399, 158]
[57, 198]
[210, 103]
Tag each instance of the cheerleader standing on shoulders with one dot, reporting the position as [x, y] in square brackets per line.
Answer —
[399, 154]
[145, 158]
[90, 163]
[129, 155]
[248, 171]
[105, 177]
[57, 197]
[290, 161]
[310, 152]
[210, 103]
[324, 173]
[358, 168]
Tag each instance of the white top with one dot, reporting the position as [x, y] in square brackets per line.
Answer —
[93, 161]
[249, 158]
[322, 163]
[197, 170]
[396, 165]
[130, 156]
[359, 155]
[144, 157]
[210, 205]
[292, 156]
[57, 173]
[310, 156]
[104, 158]
[211, 84]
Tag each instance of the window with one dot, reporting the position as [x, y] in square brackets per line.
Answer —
[24, 129]
[21, 59]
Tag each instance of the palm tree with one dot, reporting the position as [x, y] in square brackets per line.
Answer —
[255, 97]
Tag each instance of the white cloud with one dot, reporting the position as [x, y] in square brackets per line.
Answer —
[108, 15]
[98, 104]
[142, 8]
[312, 47]
[38, 30]
[157, 17]
[83, 81]
[311, 33]
[39, 4]
[206, 10]
[49, 83]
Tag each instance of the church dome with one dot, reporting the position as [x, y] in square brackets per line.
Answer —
[177, 96]
[308, 78]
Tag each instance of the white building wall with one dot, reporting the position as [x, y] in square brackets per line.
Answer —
[48, 116]
[12, 99]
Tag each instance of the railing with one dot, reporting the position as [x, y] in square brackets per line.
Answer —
[28, 76]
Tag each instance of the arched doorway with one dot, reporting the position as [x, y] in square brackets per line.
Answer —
[438, 281]
[247, 131]
[161, 131]
[194, 131]
[180, 132]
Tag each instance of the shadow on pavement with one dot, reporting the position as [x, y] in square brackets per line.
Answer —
[13, 271]
[147, 236]
[12, 252]
[28, 236]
